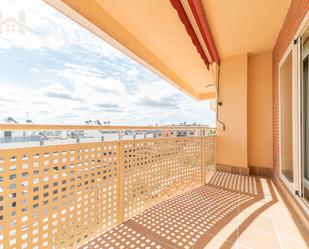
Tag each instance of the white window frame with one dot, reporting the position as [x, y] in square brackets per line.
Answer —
[294, 47]
[291, 49]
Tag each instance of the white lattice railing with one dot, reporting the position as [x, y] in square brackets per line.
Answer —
[61, 196]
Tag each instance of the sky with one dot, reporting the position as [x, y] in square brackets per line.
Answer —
[58, 72]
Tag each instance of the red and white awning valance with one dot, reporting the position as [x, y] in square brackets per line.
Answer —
[192, 15]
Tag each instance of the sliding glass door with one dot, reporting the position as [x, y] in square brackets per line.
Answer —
[286, 118]
[294, 116]
[305, 115]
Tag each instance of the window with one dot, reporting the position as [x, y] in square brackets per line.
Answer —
[294, 115]
[286, 124]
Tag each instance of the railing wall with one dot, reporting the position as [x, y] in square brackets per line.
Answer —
[61, 196]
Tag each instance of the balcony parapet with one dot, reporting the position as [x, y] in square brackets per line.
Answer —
[63, 195]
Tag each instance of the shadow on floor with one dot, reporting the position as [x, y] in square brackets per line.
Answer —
[193, 219]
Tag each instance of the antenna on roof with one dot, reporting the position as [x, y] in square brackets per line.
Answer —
[28, 121]
[10, 120]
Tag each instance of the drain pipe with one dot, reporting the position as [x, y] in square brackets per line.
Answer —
[219, 102]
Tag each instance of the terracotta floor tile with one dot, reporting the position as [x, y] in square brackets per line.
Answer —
[256, 239]
[228, 231]
[288, 219]
[216, 243]
[292, 230]
[280, 206]
[293, 244]
[265, 186]
[219, 215]
[280, 212]
[256, 207]
[256, 222]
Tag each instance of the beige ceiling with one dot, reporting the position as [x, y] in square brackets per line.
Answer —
[151, 32]
[158, 26]
[245, 26]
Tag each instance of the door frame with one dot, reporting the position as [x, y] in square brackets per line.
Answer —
[290, 50]
[297, 123]
[303, 181]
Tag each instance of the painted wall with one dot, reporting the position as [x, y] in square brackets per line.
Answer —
[260, 110]
[232, 143]
[297, 11]
[253, 138]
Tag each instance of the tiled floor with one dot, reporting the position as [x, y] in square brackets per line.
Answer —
[231, 211]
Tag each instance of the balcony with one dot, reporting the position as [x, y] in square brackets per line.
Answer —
[243, 184]
[229, 211]
[62, 195]
[156, 192]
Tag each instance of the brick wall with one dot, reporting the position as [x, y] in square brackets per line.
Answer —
[296, 14]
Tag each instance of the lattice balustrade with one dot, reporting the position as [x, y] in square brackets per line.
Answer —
[62, 196]
[157, 169]
[57, 196]
[210, 155]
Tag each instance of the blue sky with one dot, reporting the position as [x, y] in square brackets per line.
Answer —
[59, 72]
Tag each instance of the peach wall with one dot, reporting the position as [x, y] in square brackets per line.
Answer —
[232, 143]
[260, 110]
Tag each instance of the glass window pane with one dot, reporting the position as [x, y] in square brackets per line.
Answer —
[286, 118]
[305, 180]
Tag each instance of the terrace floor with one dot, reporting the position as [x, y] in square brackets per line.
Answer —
[231, 211]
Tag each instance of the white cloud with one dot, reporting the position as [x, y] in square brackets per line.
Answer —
[81, 88]
[58, 91]
[34, 70]
[161, 103]
[49, 30]
[132, 73]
